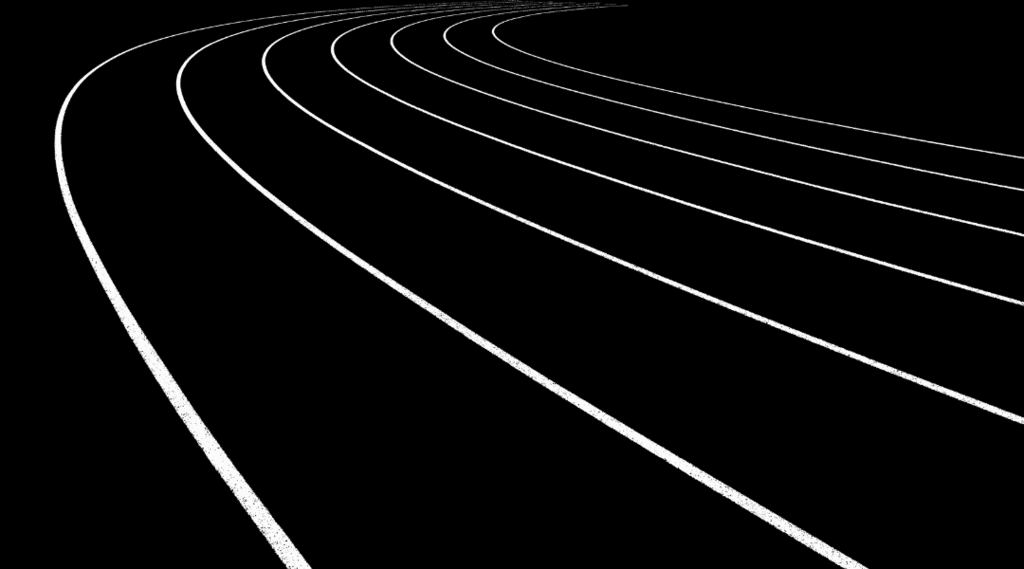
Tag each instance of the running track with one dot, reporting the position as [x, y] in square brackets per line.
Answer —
[813, 321]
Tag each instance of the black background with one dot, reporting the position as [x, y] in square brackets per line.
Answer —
[400, 462]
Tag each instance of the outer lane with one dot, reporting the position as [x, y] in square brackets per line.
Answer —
[91, 169]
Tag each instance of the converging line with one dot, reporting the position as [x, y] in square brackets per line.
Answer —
[494, 30]
[701, 156]
[664, 196]
[833, 347]
[736, 130]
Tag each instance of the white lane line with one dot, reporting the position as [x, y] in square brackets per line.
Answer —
[736, 130]
[777, 325]
[701, 156]
[494, 30]
[676, 200]
[736, 497]
[270, 529]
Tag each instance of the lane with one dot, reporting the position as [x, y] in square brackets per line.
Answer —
[273, 533]
[435, 261]
[784, 70]
[563, 65]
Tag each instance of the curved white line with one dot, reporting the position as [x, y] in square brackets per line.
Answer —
[743, 106]
[736, 130]
[682, 202]
[777, 325]
[649, 445]
[255, 508]
[701, 156]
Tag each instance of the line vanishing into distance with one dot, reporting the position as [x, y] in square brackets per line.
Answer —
[494, 33]
[717, 161]
[682, 202]
[736, 130]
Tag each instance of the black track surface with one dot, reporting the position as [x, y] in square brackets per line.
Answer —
[370, 428]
